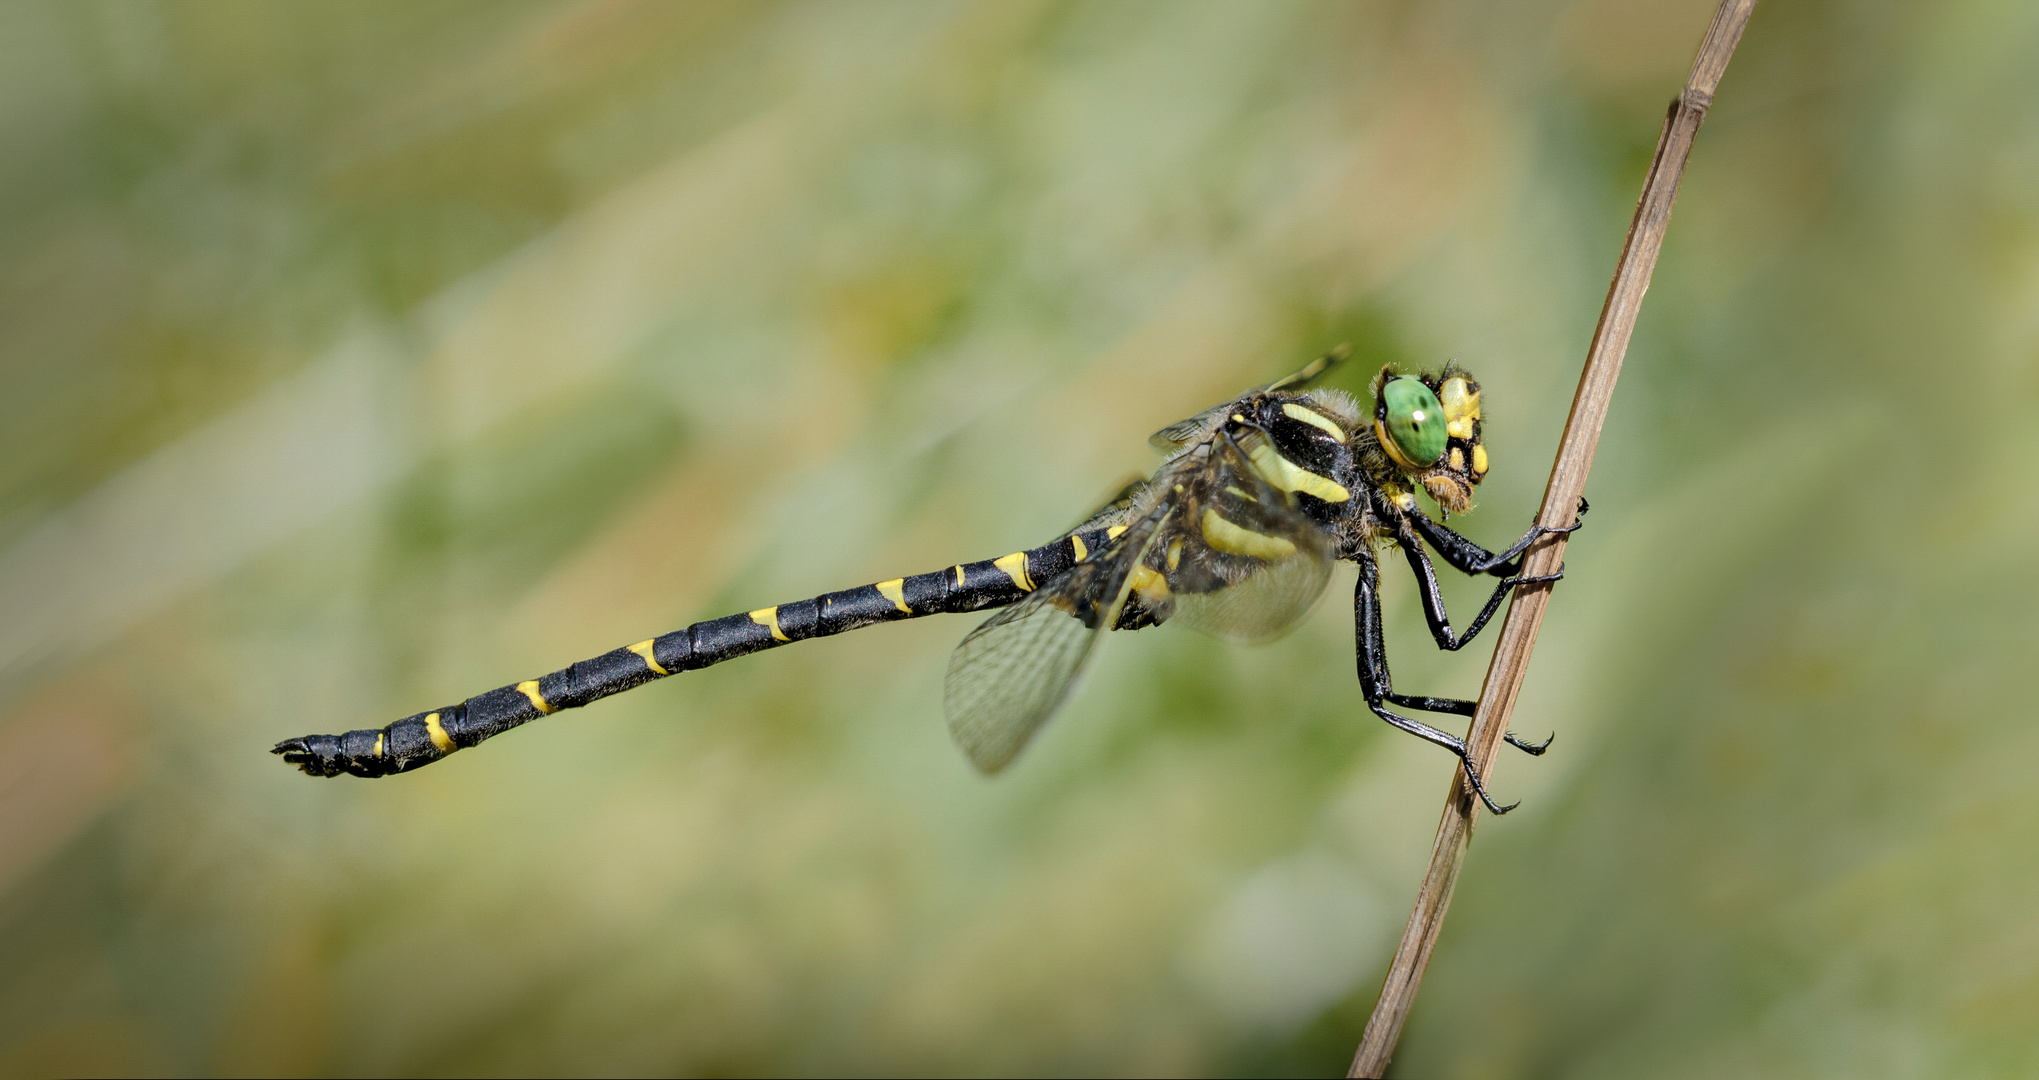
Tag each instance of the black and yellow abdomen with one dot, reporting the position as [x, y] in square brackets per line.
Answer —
[426, 737]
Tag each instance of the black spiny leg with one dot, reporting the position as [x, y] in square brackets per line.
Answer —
[1433, 595]
[1374, 682]
[1440, 629]
[1462, 707]
[1469, 558]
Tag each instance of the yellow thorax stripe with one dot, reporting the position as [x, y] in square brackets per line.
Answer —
[1288, 476]
[1313, 418]
[1236, 540]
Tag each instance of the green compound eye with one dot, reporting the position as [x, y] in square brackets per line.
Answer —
[1414, 421]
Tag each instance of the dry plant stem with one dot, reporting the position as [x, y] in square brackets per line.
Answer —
[1560, 499]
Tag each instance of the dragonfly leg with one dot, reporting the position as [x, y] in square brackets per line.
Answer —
[1375, 683]
[1530, 748]
[1469, 558]
[1433, 595]
[1462, 707]
[1440, 628]
[1452, 743]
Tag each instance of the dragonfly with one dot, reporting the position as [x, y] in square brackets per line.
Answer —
[1235, 534]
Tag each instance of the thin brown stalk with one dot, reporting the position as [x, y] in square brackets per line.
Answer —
[1560, 498]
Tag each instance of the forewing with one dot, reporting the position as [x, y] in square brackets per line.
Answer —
[1010, 675]
[1183, 432]
[1115, 511]
[1261, 607]
[1309, 372]
[1252, 564]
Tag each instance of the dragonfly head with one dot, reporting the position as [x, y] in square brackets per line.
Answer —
[1429, 427]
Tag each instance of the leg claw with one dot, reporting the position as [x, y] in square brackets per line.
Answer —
[1530, 748]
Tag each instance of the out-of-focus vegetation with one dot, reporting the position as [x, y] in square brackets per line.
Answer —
[354, 359]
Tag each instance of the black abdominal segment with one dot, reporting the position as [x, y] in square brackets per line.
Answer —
[1235, 534]
[428, 736]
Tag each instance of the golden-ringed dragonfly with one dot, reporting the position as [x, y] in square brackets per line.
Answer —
[1234, 534]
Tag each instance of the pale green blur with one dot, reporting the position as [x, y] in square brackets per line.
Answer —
[355, 359]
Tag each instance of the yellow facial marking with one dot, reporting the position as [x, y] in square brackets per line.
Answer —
[529, 689]
[1076, 545]
[1150, 585]
[1315, 419]
[768, 617]
[1480, 460]
[1235, 540]
[895, 591]
[441, 741]
[1401, 498]
[1284, 474]
[1114, 532]
[1458, 460]
[378, 744]
[1015, 567]
[1461, 407]
[643, 648]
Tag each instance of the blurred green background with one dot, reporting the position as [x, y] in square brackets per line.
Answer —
[357, 358]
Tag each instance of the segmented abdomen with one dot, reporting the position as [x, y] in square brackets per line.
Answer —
[419, 740]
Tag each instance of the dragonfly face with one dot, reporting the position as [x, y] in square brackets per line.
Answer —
[1235, 535]
[1429, 428]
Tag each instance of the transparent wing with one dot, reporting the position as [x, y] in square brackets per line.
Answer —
[1183, 432]
[1117, 509]
[1311, 371]
[1260, 608]
[1224, 550]
[1010, 675]
[1250, 563]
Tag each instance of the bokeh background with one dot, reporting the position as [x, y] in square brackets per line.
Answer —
[356, 358]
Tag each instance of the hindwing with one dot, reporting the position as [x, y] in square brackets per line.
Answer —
[1010, 675]
[1183, 432]
[1211, 540]
[1241, 561]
